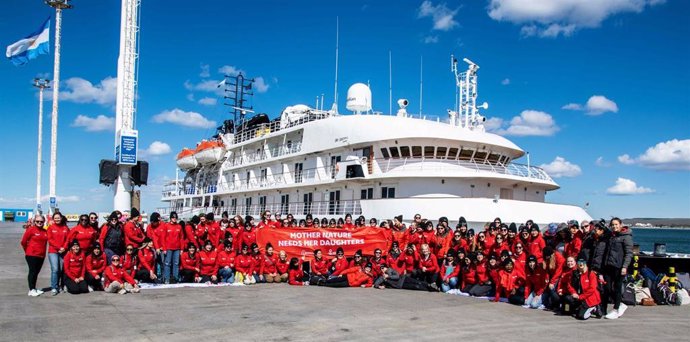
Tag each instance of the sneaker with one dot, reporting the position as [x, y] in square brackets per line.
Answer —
[33, 293]
[588, 312]
[306, 283]
[123, 291]
[54, 292]
[621, 309]
[40, 292]
[541, 307]
[90, 289]
[612, 315]
[526, 306]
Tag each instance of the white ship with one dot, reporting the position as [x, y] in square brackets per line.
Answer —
[311, 160]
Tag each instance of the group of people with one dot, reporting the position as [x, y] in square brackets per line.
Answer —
[570, 268]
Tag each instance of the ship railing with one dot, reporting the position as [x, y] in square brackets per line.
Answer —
[306, 176]
[432, 164]
[274, 152]
[318, 209]
[267, 128]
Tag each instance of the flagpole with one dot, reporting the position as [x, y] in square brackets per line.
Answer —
[59, 5]
[41, 84]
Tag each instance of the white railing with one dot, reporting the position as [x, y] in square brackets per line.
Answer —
[275, 126]
[275, 152]
[431, 164]
[299, 209]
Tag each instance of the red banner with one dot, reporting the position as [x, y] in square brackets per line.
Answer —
[297, 242]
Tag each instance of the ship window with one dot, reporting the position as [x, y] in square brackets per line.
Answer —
[394, 152]
[453, 153]
[466, 154]
[479, 157]
[493, 158]
[429, 151]
[441, 152]
[387, 192]
[367, 193]
[416, 151]
[405, 151]
[384, 152]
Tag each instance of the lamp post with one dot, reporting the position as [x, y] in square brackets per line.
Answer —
[41, 84]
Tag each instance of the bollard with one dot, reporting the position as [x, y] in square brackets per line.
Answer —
[672, 280]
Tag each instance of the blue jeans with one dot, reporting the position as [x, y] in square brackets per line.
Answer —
[533, 300]
[452, 283]
[172, 259]
[56, 270]
[226, 275]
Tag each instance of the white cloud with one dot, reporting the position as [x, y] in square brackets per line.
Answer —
[528, 123]
[596, 105]
[99, 123]
[80, 90]
[156, 148]
[443, 17]
[230, 70]
[601, 162]
[551, 18]
[670, 155]
[208, 101]
[182, 118]
[506, 81]
[430, 40]
[560, 167]
[205, 70]
[260, 85]
[626, 186]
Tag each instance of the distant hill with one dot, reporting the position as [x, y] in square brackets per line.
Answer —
[658, 222]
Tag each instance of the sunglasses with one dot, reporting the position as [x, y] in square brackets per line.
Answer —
[115, 259]
[130, 249]
[82, 220]
[93, 218]
[39, 221]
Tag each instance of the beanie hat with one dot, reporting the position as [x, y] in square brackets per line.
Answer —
[96, 246]
[254, 245]
[462, 221]
[508, 261]
[155, 217]
[134, 213]
[358, 252]
[505, 253]
[534, 228]
[113, 216]
[74, 242]
[548, 251]
[173, 214]
[512, 228]
[395, 244]
[210, 216]
[195, 219]
[450, 253]
[531, 258]
[227, 244]
[369, 265]
[207, 243]
[190, 245]
[399, 218]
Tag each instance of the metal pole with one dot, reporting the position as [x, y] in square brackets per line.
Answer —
[59, 5]
[40, 84]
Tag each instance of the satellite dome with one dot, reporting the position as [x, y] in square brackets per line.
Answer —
[359, 98]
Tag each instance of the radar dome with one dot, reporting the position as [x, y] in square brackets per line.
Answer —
[359, 98]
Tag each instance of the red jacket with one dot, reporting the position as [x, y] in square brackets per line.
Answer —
[57, 237]
[235, 233]
[257, 262]
[207, 262]
[129, 262]
[442, 244]
[376, 265]
[573, 247]
[319, 267]
[295, 277]
[282, 266]
[555, 273]
[340, 266]
[247, 237]
[535, 281]
[85, 235]
[95, 264]
[117, 274]
[535, 246]
[244, 263]
[409, 261]
[156, 234]
[588, 283]
[445, 275]
[507, 282]
[187, 262]
[469, 275]
[482, 273]
[172, 237]
[566, 276]
[430, 263]
[396, 263]
[189, 236]
[357, 277]
[225, 259]
[268, 266]
[75, 265]
[34, 242]
[134, 235]
[455, 245]
[213, 232]
[520, 262]
[147, 259]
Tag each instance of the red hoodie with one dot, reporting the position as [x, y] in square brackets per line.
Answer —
[117, 274]
[95, 264]
[172, 237]
[535, 281]
[207, 262]
[75, 265]
[535, 246]
[554, 274]
[34, 242]
[155, 233]
[147, 259]
[57, 237]
[482, 272]
[86, 236]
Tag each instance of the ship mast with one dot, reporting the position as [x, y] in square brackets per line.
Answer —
[466, 85]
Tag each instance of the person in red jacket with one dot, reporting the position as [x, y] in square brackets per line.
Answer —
[146, 267]
[583, 294]
[357, 260]
[458, 242]
[95, 265]
[536, 243]
[484, 284]
[189, 265]
[377, 260]
[573, 246]
[207, 263]
[57, 247]
[268, 270]
[225, 263]
[395, 258]
[117, 280]
[449, 272]
[295, 273]
[189, 229]
[562, 290]
[535, 283]
[248, 235]
[129, 261]
[409, 260]
[257, 263]
[282, 266]
[75, 268]
[339, 263]
[427, 267]
[243, 265]
[134, 233]
[468, 272]
[319, 267]
[84, 233]
[172, 242]
[520, 257]
[553, 264]
[213, 231]
[34, 243]
[154, 231]
[352, 277]
[510, 284]
[499, 245]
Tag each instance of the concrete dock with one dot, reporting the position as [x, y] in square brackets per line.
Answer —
[278, 312]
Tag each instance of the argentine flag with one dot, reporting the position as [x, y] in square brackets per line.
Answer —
[37, 43]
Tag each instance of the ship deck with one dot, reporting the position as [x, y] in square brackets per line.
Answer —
[291, 313]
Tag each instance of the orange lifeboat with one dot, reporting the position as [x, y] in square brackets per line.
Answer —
[186, 160]
[209, 152]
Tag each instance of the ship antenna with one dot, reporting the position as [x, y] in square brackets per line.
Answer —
[421, 83]
[390, 83]
[337, 37]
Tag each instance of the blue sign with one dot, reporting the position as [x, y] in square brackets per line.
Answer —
[126, 151]
[53, 202]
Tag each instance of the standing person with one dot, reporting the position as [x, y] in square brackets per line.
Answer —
[615, 266]
[574, 244]
[84, 233]
[134, 233]
[75, 268]
[34, 243]
[583, 294]
[93, 222]
[553, 265]
[154, 231]
[112, 237]
[117, 280]
[172, 243]
[146, 269]
[248, 235]
[57, 247]
[536, 243]
[95, 265]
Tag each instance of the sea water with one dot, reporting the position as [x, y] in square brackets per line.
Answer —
[677, 240]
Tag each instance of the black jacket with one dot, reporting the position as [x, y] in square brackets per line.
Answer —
[619, 249]
[594, 249]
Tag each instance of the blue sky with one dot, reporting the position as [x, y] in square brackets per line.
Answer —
[597, 92]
